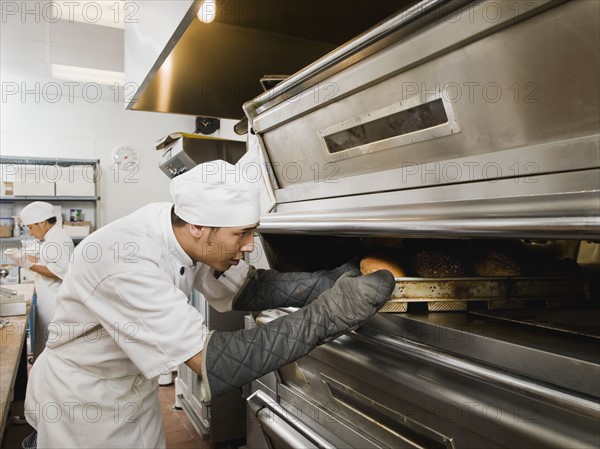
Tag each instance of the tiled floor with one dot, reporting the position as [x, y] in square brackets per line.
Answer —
[179, 431]
[178, 428]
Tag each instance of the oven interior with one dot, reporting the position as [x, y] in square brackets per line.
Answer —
[502, 374]
[560, 277]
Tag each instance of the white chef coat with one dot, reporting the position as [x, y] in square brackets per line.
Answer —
[122, 319]
[55, 253]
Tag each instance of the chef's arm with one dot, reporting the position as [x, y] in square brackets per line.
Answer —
[44, 271]
[31, 263]
[195, 363]
[270, 289]
[230, 360]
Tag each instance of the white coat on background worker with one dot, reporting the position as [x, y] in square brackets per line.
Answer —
[50, 264]
[123, 314]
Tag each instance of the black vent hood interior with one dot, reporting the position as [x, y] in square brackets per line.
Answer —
[176, 63]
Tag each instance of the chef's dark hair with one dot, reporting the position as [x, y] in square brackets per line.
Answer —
[51, 220]
[176, 220]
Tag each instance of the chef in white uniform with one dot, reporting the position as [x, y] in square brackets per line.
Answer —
[123, 315]
[50, 264]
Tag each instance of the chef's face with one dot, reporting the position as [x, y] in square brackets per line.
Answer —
[39, 230]
[225, 247]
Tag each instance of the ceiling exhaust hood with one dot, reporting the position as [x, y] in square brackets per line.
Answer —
[176, 63]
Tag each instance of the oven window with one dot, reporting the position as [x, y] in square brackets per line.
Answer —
[418, 118]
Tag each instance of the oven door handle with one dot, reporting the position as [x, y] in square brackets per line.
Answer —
[279, 427]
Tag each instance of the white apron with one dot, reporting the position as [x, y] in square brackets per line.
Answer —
[122, 319]
[55, 253]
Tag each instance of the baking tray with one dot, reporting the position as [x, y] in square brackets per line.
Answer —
[499, 293]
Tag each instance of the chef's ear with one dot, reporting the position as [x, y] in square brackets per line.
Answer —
[197, 231]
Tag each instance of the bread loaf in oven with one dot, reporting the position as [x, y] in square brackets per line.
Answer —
[372, 263]
[437, 264]
[496, 263]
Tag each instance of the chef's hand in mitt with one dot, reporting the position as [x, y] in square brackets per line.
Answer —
[270, 289]
[232, 359]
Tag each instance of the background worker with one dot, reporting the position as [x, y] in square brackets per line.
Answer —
[50, 264]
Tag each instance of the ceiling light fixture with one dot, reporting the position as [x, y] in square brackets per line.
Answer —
[207, 11]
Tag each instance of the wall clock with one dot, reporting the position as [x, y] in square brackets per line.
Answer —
[124, 154]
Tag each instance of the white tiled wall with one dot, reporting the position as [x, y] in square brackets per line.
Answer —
[83, 122]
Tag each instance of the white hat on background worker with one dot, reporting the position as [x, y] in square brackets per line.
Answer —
[217, 194]
[37, 212]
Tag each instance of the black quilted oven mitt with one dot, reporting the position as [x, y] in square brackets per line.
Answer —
[232, 359]
[270, 289]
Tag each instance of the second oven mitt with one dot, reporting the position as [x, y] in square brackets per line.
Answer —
[270, 289]
[232, 359]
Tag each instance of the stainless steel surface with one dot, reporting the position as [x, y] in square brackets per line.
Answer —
[175, 63]
[279, 426]
[178, 156]
[324, 416]
[511, 142]
[223, 421]
[255, 438]
[457, 25]
[561, 205]
[526, 167]
[358, 48]
[193, 411]
[576, 322]
[389, 386]
[549, 357]
[518, 157]
[8, 291]
[291, 420]
[151, 29]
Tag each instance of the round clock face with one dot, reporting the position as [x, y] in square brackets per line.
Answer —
[125, 154]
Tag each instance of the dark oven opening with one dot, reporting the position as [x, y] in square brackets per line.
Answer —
[465, 363]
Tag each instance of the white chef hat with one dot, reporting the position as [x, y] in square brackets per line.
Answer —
[37, 212]
[217, 194]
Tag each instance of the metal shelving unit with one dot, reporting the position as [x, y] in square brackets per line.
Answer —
[21, 161]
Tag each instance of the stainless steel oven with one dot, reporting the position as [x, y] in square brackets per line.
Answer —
[454, 127]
